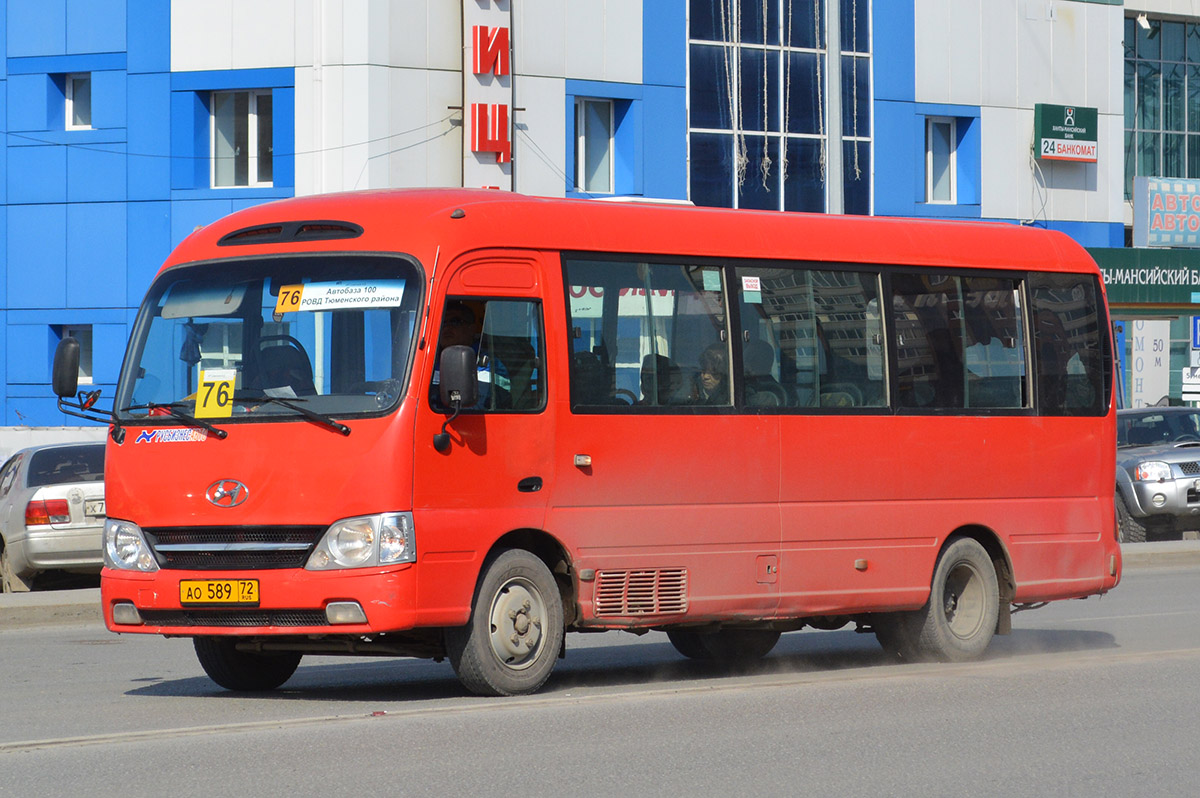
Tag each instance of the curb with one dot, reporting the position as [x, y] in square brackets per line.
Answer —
[65, 607]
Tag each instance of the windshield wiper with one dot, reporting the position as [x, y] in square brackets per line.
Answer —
[174, 411]
[291, 404]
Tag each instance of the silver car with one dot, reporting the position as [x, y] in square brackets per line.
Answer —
[1158, 472]
[51, 512]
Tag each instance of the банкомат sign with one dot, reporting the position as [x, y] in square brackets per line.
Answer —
[1064, 133]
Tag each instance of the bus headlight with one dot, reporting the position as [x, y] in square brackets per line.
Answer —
[364, 541]
[1152, 471]
[125, 548]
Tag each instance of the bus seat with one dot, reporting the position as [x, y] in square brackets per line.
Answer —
[762, 389]
[286, 365]
[841, 394]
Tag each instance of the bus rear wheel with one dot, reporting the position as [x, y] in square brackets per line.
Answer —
[243, 670]
[724, 645]
[958, 621]
[510, 645]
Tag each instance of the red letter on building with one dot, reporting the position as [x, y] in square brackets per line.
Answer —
[491, 50]
[489, 130]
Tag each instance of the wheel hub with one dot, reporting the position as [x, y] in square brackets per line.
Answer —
[516, 623]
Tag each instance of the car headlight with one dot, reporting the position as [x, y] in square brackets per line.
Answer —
[1152, 471]
[125, 548]
[365, 541]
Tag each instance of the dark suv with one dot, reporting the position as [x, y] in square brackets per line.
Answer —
[1158, 472]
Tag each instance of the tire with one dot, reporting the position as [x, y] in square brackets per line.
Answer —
[724, 645]
[1130, 529]
[511, 643]
[958, 621]
[9, 581]
[244, 670]
[896, 635]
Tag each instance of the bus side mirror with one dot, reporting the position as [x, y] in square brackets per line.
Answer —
[458, 380]
[66, 368]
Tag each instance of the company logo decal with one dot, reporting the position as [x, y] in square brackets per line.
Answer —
[171, 436]
[227, 493]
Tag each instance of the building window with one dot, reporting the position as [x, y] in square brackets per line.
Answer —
[594, 127]
[83, 334]
[779, 119]
[78, 89]
[241, 138]
[940, 138]
[1162, 99]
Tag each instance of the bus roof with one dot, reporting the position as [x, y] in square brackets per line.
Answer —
[419, 221]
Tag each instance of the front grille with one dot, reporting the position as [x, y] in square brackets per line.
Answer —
[642, 592]
[234, 617]
[1190, 469]
[233, 548]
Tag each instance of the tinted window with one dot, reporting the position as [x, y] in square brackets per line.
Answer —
[507, 338]
[1074, 363]
[66, 464]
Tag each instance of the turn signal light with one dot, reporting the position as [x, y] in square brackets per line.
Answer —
[41, 512]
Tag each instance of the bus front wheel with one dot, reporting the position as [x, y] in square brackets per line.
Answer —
[958, 621]
[510, 645]
[243, 670]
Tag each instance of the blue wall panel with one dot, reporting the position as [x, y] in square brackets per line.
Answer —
[108, 99]
[37, 256]
[148, 244]
[37, 27]
[96, 255]
[284, 137]
[149, 137]
[149, 36]
[34, 104]
[30, 349]
[95, 26]
[665, 142]
[894, 48]
[189, 141]
[108, 350]
[187, 216]
[3, 155]
[96, 173]
[664, 43]
[37, 174]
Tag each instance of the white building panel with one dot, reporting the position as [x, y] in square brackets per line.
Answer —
[1035, 41]
[356, 31]
[932, 50]
[539, 37]
[622, 41]
[965, 67]
[424, 34]
[1068, 54]
[1005, 180]
[998, 47]
[424, 141]
[539, 136]
[585, 35]
[1107, 202]
[201, 35]
[263, 34]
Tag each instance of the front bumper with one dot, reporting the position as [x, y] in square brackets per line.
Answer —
[1178, 497]
[291, 602]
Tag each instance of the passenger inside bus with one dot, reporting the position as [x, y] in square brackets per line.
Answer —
[712, 380]
[660, 380]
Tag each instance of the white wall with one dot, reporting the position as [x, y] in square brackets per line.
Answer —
[1005, 56]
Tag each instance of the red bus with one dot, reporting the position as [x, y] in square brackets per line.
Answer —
[455, 423]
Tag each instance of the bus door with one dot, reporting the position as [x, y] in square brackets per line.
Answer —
[668, 495]
[497, 472]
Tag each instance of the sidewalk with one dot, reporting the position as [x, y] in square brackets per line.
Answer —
[55, 607]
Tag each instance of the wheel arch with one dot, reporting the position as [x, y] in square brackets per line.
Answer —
[549, 550]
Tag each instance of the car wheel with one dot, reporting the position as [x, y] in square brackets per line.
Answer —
[1130, 529]
[511, 643]
[9, 581]
[243, 670]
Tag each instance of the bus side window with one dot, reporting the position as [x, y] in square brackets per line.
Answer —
[1070, 344]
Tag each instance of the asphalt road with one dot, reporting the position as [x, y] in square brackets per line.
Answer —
[1084, 697]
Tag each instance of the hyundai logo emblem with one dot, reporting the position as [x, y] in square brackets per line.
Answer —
[227, 493]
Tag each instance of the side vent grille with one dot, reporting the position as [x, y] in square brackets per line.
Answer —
[644, 592]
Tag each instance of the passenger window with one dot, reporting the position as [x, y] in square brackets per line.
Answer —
[994, 347]
[646, 336]
[811, 338]
[507, 338]
[1071, 345]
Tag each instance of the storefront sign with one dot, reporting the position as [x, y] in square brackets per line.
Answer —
[1166, 212]
[1150, 361]
[487, 94]
[1065, 133]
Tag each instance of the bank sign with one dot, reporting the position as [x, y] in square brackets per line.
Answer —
[1166, 212]
[1064, 133]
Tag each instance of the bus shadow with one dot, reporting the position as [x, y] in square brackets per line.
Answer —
[641, 662]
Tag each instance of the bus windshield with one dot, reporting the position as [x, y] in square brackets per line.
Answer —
[255, 339]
